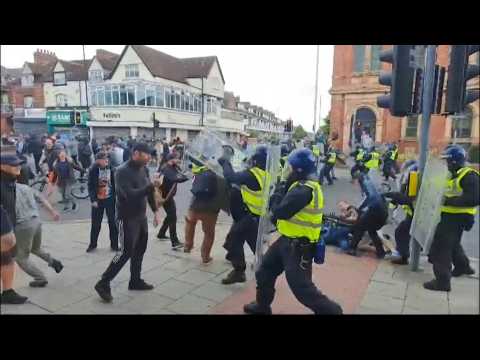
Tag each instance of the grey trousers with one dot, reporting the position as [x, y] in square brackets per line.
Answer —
[29, 240]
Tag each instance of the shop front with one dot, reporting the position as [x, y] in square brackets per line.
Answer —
[68, 122]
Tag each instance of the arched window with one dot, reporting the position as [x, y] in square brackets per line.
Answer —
[462, 125]
[359, 58]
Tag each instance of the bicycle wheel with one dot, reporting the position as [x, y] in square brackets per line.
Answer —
[80, 192]
[39, 185]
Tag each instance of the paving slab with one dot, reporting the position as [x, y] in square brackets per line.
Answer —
[191, 304]
[383, 304]
[213, 291]
[195, 277]
[25, 309]
[147, 302]
[395, 290]
[174, 289]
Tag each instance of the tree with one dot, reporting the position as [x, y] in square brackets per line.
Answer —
[299, 133]
[326, 126]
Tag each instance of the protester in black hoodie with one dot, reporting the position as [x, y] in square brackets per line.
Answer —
[172, 177]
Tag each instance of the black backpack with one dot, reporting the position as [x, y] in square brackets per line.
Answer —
[204, 185]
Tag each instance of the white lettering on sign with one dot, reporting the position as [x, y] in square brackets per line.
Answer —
[111, 115]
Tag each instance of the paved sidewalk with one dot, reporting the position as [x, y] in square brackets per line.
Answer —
[182, 284]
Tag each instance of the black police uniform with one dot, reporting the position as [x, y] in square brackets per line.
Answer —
[245, 225]
[294, 256]
[446, 247]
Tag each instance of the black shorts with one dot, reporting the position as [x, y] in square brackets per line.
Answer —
[6, 225]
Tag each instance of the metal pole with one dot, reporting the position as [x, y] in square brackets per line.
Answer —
[86, 87]
[316, 92]
[424, 140]
[201, 120]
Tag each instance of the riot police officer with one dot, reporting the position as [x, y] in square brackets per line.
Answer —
[457, 214]
[372, 159]
[358, 155]
[298, 216]
[247, 211]
[330, 160]
[405, 198]
[389, 162]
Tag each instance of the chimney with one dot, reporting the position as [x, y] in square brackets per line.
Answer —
[43, 57]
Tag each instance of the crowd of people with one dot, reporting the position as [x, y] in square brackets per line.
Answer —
[120, 184]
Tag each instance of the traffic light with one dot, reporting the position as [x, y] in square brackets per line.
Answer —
[400, 80]
[459, 72]
[78, 118]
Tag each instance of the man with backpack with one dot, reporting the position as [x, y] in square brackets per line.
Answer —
[172, 177]
[208, 192]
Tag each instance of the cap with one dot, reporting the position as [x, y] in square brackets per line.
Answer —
[12, 160]
[101, 155]
[142, 147]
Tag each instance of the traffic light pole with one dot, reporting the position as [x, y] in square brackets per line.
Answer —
[427, 99]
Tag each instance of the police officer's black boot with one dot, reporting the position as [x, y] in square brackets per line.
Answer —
[436, 286]
[255, 309]
[234, 276]
[459, 272]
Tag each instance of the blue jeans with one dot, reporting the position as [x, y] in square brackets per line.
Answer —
[336, 234]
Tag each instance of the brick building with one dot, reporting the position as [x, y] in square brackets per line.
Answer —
[354, 92]
[27, 93]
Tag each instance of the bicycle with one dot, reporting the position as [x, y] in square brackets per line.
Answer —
[80, 188]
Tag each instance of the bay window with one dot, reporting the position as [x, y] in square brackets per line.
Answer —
[178, 103]
[159, 96]
[141, 95]
[101, 96]
[168, 103]
[123, 95]
[131, 95]
[115, 95]
[108, 95]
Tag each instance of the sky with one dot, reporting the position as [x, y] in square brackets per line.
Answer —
[279, 78]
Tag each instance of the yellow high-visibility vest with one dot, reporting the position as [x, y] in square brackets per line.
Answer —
[360, 155]
[454, 189]
[332, 157]
[307, 223]
[373, 163]
[198, 169]
[316, 150]
[254, 199]
[393, 156]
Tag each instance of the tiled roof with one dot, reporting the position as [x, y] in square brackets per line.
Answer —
[169, 67]
[107, 59]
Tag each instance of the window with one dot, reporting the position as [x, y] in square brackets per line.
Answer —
[61, 100]
[28, 102]
[159, 96]
[101, 96]
[412, 126]
[150, 96]
[27, 80]
[59, 78]
[95, 75]
[359, 55]
[167, 99]
[131, 95]
[182, 101]
[131, 71]
[123, 95]
[191, 103]
[462, 125]
[115, 95]
[93, 96]
[140, 95]
[375, 58]
[173, 133]
[108, 95]
[214, 106]
[178, 103]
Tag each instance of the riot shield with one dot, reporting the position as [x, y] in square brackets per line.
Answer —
[208, 146]
[265, 227]
[429, 202]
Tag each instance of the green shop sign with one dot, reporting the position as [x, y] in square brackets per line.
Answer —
[59, 117]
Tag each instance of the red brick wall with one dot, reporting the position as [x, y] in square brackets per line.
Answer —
[17, 93]
[343, 80]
